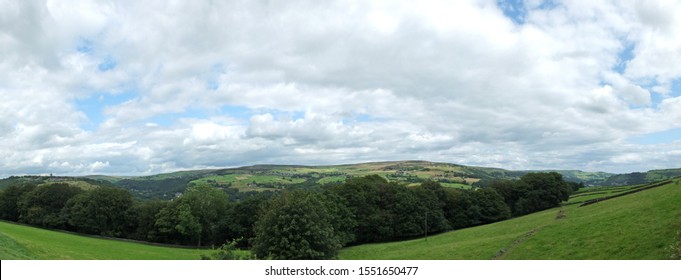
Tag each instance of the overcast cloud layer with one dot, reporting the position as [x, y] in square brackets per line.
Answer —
[142, 87]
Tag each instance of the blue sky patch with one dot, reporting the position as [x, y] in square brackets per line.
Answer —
[94, 106]
[663, 137]
[514, 9]
[547, 5]
[84, 46]
[107, 64]
[623, 58]
[212, 85]
[676, 88]
[238, 112]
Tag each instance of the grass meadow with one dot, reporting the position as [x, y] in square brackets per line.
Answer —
[24, 242]
[638, 226]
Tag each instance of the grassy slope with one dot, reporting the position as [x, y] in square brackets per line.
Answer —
[481, 242]
[22, 242]
[638, 226]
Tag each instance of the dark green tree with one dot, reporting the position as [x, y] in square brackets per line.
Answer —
[541, 191]
[510, 190]
[102, 211]
[238, 223]
[145, 213]
[208, 205]
[342, 219]
[9, 199]
[176, 224]
[296, 225]
[491, 206]
[458, 208]
[42, 206]
[195, 217]
[368, 199]
[413, 209]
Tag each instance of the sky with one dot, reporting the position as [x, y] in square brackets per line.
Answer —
[145, 87]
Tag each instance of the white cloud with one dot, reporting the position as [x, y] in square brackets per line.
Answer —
[334, 83]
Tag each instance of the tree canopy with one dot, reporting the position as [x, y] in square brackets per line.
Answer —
[296, 225]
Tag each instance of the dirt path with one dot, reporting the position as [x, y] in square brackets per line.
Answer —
[499, 255]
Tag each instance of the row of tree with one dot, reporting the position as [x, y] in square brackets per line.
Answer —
[202, 216]
[299, 224]
[316, 224]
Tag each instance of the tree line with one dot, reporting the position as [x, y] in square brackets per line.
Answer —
[312, 223]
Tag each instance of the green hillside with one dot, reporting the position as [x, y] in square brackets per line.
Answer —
[80, 182]
[258, 178]
[642, 225]
[642, 177]
[23, 242]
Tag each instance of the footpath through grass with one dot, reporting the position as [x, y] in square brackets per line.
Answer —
[641, 225]
[23, 242]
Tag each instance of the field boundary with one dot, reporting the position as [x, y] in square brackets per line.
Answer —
[654, 185]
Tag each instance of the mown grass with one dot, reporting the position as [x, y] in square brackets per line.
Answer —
[641, 225]
[23, 242]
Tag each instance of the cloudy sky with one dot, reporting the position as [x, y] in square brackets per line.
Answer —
[143, 87]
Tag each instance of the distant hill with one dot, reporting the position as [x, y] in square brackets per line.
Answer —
[256, 178]
[642, 177]
[81, 182]
[238, 182]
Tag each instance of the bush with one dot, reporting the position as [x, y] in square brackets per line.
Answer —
[295, 226]
[228, 251]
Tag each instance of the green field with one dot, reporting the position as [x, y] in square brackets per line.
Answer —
[248, 182]
[641, 225]
[23, 242]
[456, 186]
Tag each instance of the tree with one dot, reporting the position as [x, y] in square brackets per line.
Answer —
[342, 219]
[238, 223]
[458, 208]
[194, 217]
[145, 213]
[368, 199]
[42, 206]
[491, 205]
[187, 224]
[176, 224]
[412, 206]
[510, 190]
[541, 191]
[208, 205]
[9, 199]
[102, 211]
[296, 225]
